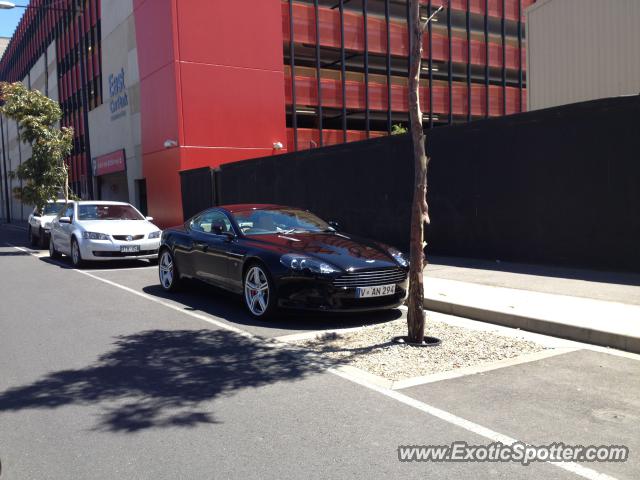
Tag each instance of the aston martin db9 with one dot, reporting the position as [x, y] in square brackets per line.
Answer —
[283, 257]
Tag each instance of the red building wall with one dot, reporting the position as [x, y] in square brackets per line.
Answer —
[212, 79]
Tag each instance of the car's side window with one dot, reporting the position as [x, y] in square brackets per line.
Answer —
[68, 211]
[208, 221]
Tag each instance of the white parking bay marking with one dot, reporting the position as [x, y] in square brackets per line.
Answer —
[467, 425]
[115, 269]
[151, 298]
[393, 394]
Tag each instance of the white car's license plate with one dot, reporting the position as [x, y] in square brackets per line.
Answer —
[380, 291]
[130, 248]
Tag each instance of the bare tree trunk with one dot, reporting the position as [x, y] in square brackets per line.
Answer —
[419, 211]
[65, 189]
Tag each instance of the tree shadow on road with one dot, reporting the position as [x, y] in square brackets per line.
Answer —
[163, 378]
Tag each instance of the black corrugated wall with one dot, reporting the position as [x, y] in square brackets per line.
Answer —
[556, 186]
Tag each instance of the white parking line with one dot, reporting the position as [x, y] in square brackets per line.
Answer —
[467, 425]
[481, 368]
[116, 269]
[151, 298]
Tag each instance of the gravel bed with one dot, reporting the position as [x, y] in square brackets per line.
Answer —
[370, 349]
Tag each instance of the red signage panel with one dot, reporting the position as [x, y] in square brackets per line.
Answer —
[110, 163]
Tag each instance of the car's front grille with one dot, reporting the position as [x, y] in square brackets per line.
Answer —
[125, 239]
[371, 278]
[98, 253]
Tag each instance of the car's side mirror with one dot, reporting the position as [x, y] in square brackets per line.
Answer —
[334, 225]
[65, 220]
[218, 230]
[149, 219]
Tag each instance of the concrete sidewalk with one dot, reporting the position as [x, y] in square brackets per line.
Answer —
[601, 308]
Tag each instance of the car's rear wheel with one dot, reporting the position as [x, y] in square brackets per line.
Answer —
[168, 271]
[42, 238]
[259, 292]
[76, 256]
[53, 253]
[32, 238]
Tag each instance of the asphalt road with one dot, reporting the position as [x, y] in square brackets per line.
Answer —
[104, 376]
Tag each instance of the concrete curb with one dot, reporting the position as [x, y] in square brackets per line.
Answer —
[537, 325]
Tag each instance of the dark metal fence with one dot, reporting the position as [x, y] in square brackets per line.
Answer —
[556, 186]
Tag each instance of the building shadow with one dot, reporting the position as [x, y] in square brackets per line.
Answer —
[197, 296]
[164, 378]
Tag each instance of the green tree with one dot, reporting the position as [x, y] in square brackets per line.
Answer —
[45, 175]
[398, 129]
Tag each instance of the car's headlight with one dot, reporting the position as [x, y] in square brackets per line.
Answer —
[94, 236]
[155, 234]
[302, 262]
[399, 257]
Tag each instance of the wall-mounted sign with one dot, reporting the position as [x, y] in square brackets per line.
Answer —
[118, 93]
[110, 163]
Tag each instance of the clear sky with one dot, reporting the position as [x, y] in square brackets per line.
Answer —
[9, 19]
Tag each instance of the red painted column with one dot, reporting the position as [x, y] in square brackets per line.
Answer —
[212, 79]
[160, 108]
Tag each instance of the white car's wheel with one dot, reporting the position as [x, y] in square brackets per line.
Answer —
[53, 253]
[168, 271]
[76, 256]
[259, 294]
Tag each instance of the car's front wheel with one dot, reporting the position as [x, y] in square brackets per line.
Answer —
[76, 256]
[259, 292]
[168, 271]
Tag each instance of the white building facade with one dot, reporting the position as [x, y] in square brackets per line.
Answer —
[113, 116]
[579, 50]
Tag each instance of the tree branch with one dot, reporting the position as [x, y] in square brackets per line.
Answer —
[424, 24]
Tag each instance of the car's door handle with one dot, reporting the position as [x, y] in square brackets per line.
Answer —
[203, 246]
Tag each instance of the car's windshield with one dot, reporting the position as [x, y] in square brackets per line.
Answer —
[285, 220]
[52, 208]
[102, 211]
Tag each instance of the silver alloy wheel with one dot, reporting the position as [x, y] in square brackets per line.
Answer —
[256, 291]
[75, 253]
[166, 270]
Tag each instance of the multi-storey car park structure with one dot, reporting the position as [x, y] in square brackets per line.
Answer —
[153, 87]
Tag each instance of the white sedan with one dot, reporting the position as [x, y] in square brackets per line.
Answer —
[40, 222]
[96, 230]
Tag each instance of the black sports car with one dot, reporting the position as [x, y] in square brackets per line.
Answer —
[285, 257]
